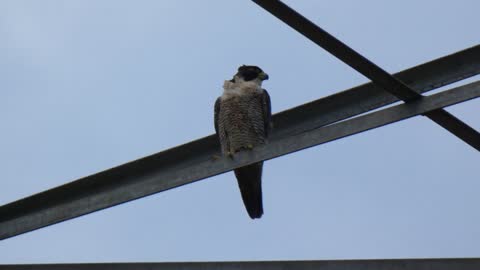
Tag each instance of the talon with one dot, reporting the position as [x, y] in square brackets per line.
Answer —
[215, 157]
[230, 154]
[250, 146]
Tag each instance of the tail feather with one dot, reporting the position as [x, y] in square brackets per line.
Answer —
[250, 183]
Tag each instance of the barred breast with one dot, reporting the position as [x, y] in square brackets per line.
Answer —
[241, 122]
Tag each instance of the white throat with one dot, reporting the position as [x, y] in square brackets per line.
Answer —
[240, 86]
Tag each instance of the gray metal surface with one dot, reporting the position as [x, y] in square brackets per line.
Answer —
[367, 68]
[104, 189]
[366, 97]
[141, 178]
[396, 264]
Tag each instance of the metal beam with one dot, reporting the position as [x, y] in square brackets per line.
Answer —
[82, 196]
[392, 264]
[366, 97]
[367, 68]
[156, 173]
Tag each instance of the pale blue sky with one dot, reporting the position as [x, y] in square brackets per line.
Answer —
[88, 85]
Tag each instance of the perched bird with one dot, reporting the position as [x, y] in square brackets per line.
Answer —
[242, 121]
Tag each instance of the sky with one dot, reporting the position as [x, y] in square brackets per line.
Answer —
[88, 85]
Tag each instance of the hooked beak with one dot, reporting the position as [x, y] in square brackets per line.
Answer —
[263, 76]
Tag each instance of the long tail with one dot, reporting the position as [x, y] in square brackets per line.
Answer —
[250, 183]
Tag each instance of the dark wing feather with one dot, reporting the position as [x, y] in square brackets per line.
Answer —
[216, 114]
[267, 112]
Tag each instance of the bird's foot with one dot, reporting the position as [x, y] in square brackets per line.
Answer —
[215, 157]
[230, 154]
[249, 146]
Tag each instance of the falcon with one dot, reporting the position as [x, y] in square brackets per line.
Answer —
[242, 121]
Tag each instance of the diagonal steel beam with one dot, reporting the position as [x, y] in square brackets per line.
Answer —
[389, 264]
[357, 100]
[367, 68]
[363, 98]
[142, 178]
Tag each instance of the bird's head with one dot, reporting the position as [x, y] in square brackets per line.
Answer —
[250, 74]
